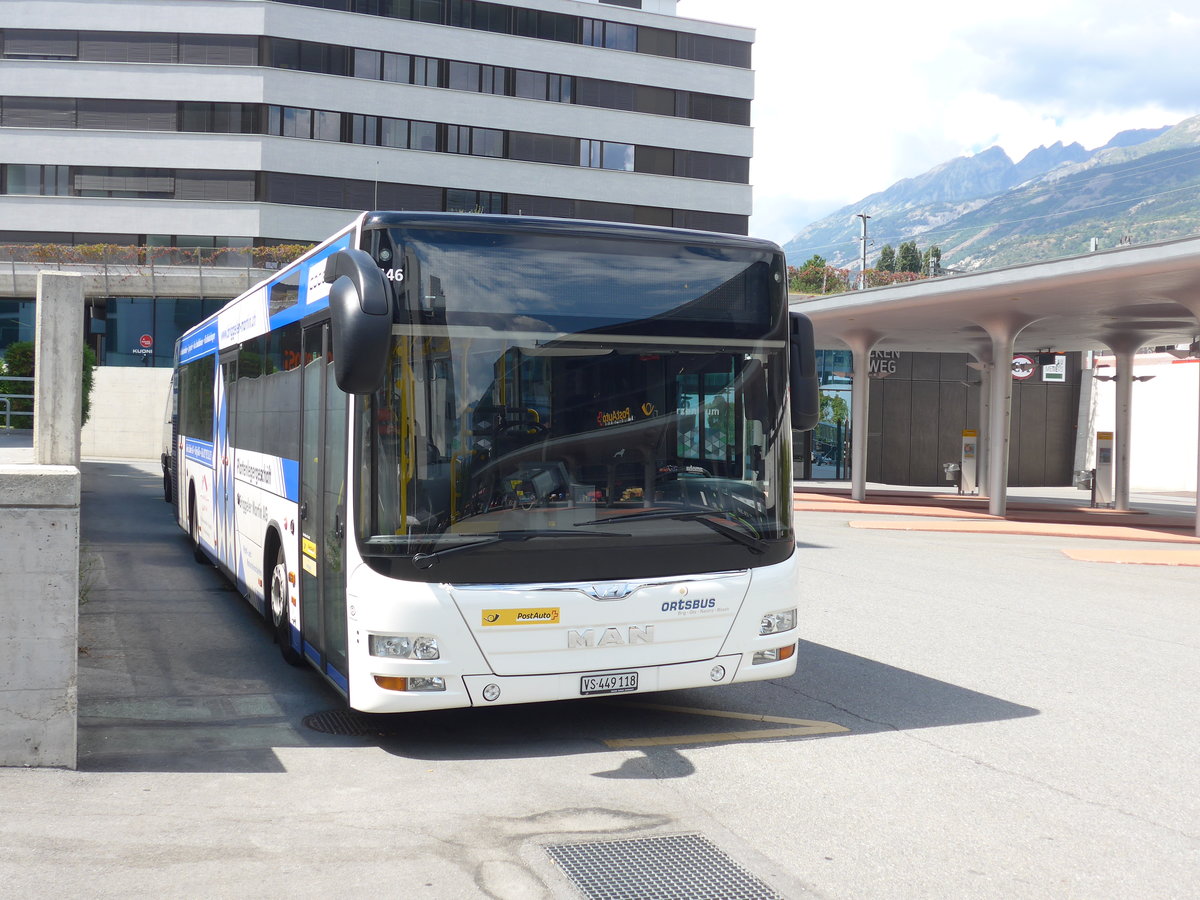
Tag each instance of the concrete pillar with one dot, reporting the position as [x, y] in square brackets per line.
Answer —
[1002, 331]
[860, 344]
[1123, 346]
[58, 365]
[983, 364]
[985, 426]
[1123, 437]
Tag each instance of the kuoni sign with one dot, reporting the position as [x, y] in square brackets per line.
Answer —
[1023, 367]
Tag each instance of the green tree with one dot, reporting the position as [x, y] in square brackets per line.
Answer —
[887, 259]
[908, 259]
[931, 262]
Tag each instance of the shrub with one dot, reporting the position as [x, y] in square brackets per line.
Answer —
[19, 362]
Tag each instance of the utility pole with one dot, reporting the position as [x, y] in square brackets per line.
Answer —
[862, 278]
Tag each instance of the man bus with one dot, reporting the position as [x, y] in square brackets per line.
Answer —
[462, 460]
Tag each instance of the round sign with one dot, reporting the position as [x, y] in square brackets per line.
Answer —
[1023, 367]
[146, 340]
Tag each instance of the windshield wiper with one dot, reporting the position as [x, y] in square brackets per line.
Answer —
[704, 516]
[425, 560]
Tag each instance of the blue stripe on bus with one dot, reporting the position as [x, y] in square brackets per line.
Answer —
[303, 307]
[291, 479]
[198, 451]
[312, 653]
[338, 678]
[199, 343]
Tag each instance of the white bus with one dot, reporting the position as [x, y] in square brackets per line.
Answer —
[459, 460]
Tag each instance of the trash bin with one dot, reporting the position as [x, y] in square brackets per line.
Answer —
[1085, 478]
[951, 470]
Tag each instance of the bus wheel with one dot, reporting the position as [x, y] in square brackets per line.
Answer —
[279, 610]
[197, 553]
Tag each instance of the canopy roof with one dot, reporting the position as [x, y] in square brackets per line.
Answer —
[1149, 291]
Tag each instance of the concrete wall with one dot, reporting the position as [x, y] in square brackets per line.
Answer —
[128, 408]
[39, 548]
[39, 610]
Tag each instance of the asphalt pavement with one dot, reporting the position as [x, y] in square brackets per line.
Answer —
[974, 715]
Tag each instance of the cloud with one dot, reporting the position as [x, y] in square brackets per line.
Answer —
[1091, 64]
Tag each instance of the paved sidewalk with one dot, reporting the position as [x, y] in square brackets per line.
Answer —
[16, 446]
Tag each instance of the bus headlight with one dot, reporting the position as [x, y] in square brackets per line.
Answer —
[404, 646]
[775, 622]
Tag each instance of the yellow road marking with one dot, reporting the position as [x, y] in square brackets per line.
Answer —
[796, 728]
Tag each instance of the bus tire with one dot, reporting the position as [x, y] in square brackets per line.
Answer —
[278, 606]
[197, 552]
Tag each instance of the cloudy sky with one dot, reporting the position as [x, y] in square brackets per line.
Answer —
[851, 98]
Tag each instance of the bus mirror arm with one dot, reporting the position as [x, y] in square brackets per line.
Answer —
[802, 373]
[360, 303]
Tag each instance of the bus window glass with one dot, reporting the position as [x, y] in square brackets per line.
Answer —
[504, 415]
[196, 398]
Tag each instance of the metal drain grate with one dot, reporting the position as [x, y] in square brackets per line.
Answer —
[344, 722]
[657, 868]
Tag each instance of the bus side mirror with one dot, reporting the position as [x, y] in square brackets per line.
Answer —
[802, 373]
[360, 302]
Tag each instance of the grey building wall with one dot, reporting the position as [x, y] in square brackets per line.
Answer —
[918, 412]
[689, 200]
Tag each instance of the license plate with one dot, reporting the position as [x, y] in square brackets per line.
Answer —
[616, 683]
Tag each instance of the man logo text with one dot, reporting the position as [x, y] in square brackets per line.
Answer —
[611, 637]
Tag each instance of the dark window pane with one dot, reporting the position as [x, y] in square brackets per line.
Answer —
[618, 36]
[655, 160]
[218, 49]
[656, 41]
[397, 67]
[227, 118]
[426, 71]
[462, 76]
[127, 115]
[40, 44]
[487, 142]
[423, 136]
[284, 54]
[327, 126]
[197, 184]
[195, 117]
[22, 179]
[654, 100]
[112, 46]
[493, 80]
[530, 84]
[38, 112]
[393, 132]
[367, 64]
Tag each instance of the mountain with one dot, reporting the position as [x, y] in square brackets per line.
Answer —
[985, 211]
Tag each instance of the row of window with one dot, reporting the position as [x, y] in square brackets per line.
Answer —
[382, 131]
[551, 26]
[404, 68]
[336, 193]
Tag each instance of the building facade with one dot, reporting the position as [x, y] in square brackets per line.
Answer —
[236, 123]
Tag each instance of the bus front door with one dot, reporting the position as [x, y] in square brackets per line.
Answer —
[323, 511]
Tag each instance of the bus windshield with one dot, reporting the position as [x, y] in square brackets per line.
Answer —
[549, 397]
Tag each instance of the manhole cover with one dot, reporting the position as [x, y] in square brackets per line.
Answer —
[344, 722]
[657, 868]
